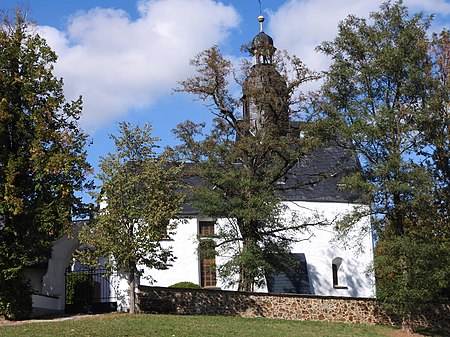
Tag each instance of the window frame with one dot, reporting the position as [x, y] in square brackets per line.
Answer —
[207, 265]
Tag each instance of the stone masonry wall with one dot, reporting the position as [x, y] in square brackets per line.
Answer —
[296, 307]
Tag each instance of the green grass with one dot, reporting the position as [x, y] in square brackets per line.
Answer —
[182, 326]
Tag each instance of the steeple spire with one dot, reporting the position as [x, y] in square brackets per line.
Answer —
[265, 93]
[262, 47]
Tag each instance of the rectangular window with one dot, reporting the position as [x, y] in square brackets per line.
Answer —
[208, 272]
[206, 228]
[207, 254]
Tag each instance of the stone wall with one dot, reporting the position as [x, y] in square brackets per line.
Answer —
[296, 307]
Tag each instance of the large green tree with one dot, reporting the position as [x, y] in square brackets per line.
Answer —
[379, 92]
[140, 194]
[435, 128]
[243, 159]
[42, 157]
[435, 125]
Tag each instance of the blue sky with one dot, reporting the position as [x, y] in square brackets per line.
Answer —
[125, 56]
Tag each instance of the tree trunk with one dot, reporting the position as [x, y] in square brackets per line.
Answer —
[246, 272]
[132, 285]
[397, 214]
[407, 325]
[245, 280]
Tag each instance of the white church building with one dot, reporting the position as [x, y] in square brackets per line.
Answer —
[326, 262]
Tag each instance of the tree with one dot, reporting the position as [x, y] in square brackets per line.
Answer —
[377, 93]
[435, 127]
[42, 158]
[242, 162]
[140, 195]
[435, 124]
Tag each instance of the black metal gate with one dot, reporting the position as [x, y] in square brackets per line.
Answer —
[89, 291]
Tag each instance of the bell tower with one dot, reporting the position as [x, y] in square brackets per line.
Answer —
[265, 94]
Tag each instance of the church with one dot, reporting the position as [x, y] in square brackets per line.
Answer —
[323, 263]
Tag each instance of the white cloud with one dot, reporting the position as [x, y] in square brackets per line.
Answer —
[118, 64]
[300, 25]
[440, 7]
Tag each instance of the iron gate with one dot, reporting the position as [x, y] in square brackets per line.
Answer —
[89, 291]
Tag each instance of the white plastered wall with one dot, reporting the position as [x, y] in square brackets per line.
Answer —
[319, 245]
[185, 267]
[184, 247]
[324, 244]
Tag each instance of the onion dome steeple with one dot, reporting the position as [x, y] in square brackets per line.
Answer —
[262, 47]
[265, 94]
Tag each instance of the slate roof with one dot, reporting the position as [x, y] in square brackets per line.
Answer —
[187, 208]
[316, 178]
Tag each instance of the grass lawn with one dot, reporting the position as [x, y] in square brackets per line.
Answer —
[178, 326]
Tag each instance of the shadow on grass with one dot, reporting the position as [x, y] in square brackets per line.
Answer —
[435, 332]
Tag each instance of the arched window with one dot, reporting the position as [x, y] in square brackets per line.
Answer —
[336, 267]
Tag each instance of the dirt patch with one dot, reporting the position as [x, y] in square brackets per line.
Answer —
[4, 321]
[399, 333]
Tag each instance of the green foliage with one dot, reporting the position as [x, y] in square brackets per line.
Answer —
[408, 272]
[15, 298]
[185, 285]
[436, 135]
[42, 157]
[79, 288]
[140, 195]
[206, 248]
[373, 91]
[387, 91]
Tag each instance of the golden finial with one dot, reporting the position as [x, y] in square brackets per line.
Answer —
[261, 20]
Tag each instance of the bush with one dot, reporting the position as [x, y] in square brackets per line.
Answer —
[15, 298]
[185, 285]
